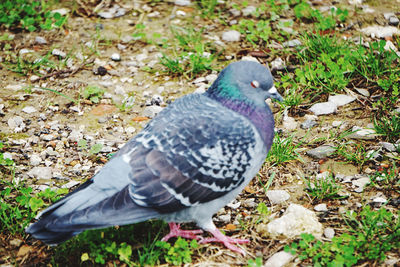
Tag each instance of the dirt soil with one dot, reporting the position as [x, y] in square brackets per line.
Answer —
[54, 129]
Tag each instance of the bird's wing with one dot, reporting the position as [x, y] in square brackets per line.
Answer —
[195, 151]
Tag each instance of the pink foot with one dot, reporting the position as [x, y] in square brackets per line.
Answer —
[228, 241]
[175, 231]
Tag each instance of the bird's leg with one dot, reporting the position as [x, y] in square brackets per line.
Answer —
[175, 231]
[226, 240]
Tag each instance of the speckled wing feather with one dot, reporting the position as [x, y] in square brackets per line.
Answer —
[195, 151]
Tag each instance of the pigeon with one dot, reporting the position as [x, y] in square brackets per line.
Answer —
[187, 163]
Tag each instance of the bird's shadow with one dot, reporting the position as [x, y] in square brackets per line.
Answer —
[101, 245]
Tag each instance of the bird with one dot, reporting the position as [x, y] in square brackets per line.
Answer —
[187, 163]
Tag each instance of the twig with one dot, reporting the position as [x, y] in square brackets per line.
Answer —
[65, 72]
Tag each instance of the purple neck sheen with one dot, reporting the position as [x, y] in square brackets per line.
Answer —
[261, 117]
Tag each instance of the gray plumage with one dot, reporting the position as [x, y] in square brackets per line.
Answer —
[186, 164]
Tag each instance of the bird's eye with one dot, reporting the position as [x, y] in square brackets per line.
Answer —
[255, 84]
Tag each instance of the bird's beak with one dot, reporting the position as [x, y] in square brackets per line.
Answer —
[274, 94]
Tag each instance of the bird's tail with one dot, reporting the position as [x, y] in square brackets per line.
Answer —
[76, 212]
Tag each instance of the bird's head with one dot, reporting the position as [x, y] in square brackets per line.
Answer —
[247, 81]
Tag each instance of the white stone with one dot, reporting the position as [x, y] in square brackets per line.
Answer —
[151, 111]
[278, 64]
[41, 173]
[296, 220]
[180, 13]
[389, 146]
[380, 31]
[323, 175]
[234, 205]
[321, 207]
[324, 108]
[363, 92]
[247, 11]
[61, 11]
[336, 123]
[225, 218]
[182, 2]
[368, 9]
[130, 130]
[47, 137]
[231, 36]
[394, 21]
[390, 46]
[58, 52]
[154, 14]
[329, 232]
[379, 200]
[15, 87]
[355, 2]
[7, 155]
[361, 133]
[249, 58]
[235, 12]
[40, 40]
[75, 136]
[279, 259]
[341, 100]
[70, 184]
[211, 78]
[360, 183]
[29, 109]
[199, 80]
[25, 51]
[292, 43]
[16, 123]
[34, 78]
[35, 160]
[115, 57]
[141, 57]
[321, 152]
[277, 196]
[289, 123]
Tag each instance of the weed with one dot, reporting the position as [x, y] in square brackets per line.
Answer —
[388, 126]
[283, 150]
[294, 95]
[372, 62]
[29, 63]
[323, 188]
[156, 38]
[93, 93]
[29, 15]
[19, 207]
[387, 176]
[372, 234]
[181, 252]
[207, 8]
[93, 150]
[339, 252]
[255, 32]
[376, 232]
[328, 77]
[304, 10]
[264, 212]
[127, 103]
[356, 153]
[5, 161]
[150, 253]
[257, 262]
[191, 57]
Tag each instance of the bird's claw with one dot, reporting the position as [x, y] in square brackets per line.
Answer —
[226, 240]
[176, 231]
